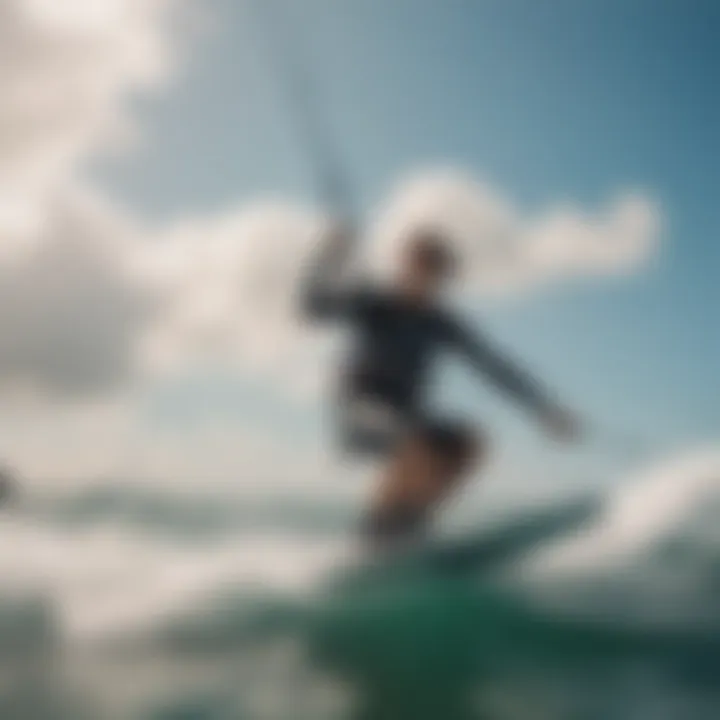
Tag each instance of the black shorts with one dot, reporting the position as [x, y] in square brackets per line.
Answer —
[377, 430]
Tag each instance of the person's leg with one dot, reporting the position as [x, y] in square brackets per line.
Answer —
[424, 469]
[398, 510]
[457, 451]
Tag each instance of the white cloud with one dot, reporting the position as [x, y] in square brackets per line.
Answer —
[231, 283]
[66, 70]
[71, 311]
[71, 305]
[503, 248]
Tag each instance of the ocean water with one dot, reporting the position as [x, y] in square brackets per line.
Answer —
[136, 601]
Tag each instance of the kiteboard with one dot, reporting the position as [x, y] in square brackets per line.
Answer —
[477, 553]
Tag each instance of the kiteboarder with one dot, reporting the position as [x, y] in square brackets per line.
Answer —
[398, 331]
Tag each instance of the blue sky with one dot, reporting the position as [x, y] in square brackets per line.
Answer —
[563, 99]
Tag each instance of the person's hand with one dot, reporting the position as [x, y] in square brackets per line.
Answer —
[561, 424]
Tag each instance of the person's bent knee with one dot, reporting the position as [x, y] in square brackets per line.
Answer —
[456, 446]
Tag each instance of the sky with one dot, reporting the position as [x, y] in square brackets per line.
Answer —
[153, 171]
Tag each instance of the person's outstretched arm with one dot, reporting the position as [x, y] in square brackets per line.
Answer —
[510, 378]
[326, 293]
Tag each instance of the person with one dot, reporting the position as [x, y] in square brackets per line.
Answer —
[398, 332]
